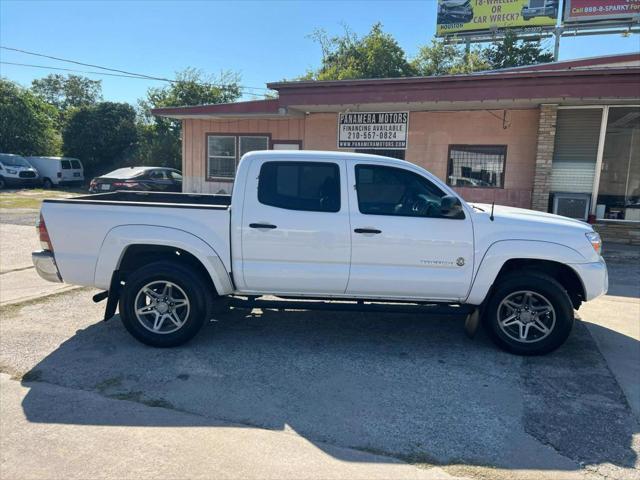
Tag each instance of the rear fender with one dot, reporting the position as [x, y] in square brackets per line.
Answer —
[500, 252]
[120, 238]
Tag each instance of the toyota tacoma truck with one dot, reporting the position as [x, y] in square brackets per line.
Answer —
[326, 230]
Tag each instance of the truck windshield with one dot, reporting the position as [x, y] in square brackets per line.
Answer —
[11, 161]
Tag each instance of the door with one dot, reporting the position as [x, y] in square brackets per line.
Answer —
[176, 179]
[77, 171]
[66, 171]
[159, 180]
[295, 228]
[402, 247]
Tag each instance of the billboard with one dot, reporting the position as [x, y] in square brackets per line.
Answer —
[373, 130]
[595, 10]
[459, 16]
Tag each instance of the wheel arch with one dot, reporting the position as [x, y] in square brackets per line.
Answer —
[515, 255]
[132, 246]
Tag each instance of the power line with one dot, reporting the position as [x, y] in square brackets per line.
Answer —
[72, 70]
[99, 73]
[125, 72]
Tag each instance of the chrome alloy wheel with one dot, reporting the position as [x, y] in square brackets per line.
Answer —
[526, 316]
[162, 307]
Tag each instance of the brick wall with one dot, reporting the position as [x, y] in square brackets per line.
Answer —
[544, 157]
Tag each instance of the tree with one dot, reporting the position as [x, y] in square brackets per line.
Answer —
[27, 125]
[67, 92]
[376, 55]
[101, 135]
[511, 52]
[160, 137]
[439, 58]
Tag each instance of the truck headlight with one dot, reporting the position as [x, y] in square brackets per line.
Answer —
[11, 172]
[595, 240]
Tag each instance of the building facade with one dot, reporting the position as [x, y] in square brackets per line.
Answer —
[561, 137]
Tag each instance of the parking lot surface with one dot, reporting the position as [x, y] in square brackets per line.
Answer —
[266, 394]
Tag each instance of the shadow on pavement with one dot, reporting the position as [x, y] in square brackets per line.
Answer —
[400, 385]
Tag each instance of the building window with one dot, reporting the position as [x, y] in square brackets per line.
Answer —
[309, 186]
[225, 151]
[477, 166]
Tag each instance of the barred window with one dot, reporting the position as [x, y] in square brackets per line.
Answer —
[477, 166]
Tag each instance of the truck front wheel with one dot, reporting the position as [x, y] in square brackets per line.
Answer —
[163, 304]
[529, 313]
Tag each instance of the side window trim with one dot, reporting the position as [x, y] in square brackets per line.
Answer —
[338, 178]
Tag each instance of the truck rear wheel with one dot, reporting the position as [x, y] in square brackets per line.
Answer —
[529, 313]
[163, 304]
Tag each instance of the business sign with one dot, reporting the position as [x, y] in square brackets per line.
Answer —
[458, 16]
[596, 10]
[374, 130]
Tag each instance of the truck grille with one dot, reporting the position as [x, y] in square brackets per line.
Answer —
[27, 174]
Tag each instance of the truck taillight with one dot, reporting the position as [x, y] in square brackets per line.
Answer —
[45, 241]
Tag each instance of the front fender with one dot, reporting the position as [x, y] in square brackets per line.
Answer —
[120, 238]
[502, 251]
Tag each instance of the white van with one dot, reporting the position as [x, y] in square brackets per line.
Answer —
[15, 171]
[56, 171]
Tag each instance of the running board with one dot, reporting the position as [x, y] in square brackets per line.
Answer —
[353, 306]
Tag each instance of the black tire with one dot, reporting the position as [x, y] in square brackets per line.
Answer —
[47, 184]
[543, 287]
[3, 183]
[191, 284]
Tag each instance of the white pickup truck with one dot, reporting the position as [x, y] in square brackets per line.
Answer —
[329, 230]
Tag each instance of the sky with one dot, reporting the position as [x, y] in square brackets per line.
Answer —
[261, 41]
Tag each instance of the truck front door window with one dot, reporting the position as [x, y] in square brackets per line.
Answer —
[395, 191]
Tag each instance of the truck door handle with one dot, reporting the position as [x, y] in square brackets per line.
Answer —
[367, 230]
[262, 225]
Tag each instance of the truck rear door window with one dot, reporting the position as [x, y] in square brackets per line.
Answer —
[308, 186]
[66, 164]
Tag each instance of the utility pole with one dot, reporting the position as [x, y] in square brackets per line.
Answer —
[556, 48]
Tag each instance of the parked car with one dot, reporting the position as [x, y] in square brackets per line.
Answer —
[540, 8]
[138, 178]
[55, 171]
[467, 182]
[15, 171]
[364, 229]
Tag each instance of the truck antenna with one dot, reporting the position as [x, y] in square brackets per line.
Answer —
[493, 204]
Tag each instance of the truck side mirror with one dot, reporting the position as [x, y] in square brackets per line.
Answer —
[450, 207]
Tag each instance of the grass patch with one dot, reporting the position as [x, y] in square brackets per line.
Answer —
[32, 198]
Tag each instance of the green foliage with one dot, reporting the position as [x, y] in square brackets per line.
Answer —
[160, 137]
[511, 52]
[439, 58]
[103, 135]
[376, 55]
[64, 92]
[27, 124]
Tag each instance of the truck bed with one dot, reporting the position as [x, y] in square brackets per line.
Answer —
[81, 228]
[159, 199]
